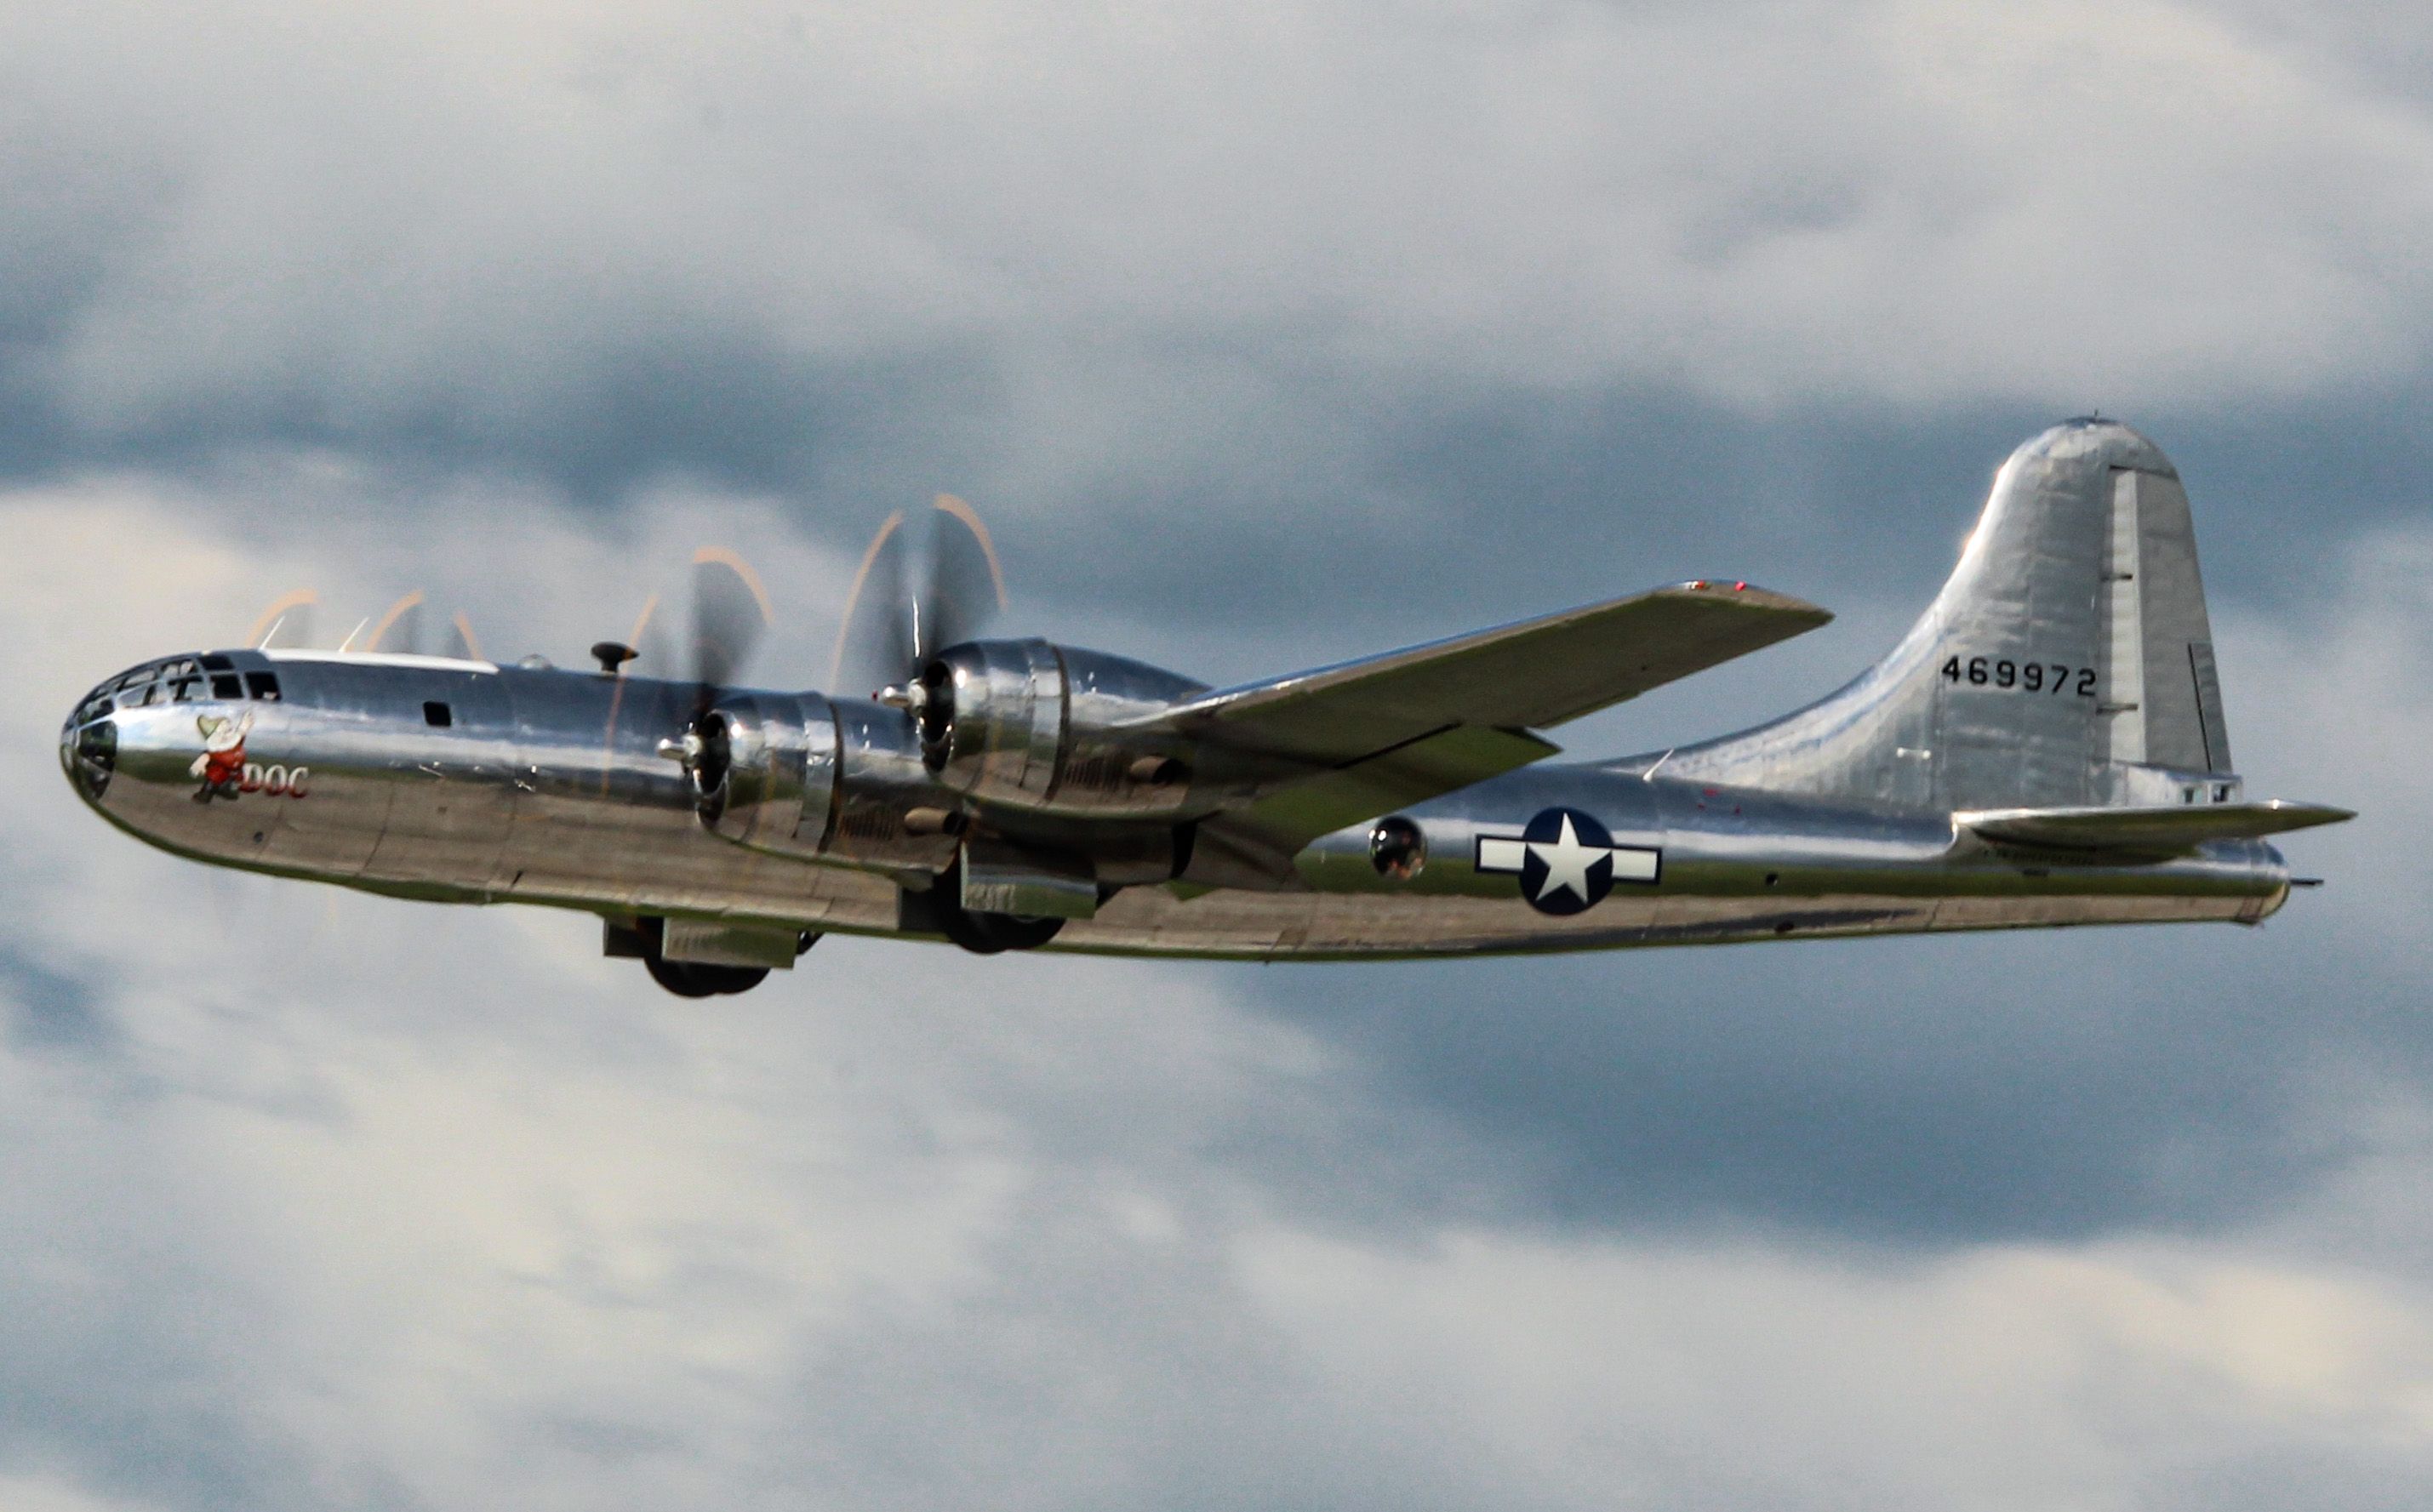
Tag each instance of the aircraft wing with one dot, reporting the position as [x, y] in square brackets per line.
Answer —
[1526, 675]
[1364, 738]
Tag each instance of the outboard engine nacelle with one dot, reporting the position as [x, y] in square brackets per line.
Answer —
[1053, 729]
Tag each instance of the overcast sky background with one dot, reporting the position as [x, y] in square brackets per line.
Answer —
[1263, 336]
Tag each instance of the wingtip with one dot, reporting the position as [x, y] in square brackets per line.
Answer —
[1742, 593]
[2306, 815]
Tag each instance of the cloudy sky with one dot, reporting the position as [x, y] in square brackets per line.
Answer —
[1264, 335]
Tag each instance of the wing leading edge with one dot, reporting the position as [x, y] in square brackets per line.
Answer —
[1362, 738]
[1524, 675]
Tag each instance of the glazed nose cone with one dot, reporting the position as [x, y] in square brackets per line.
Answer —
[89, 748]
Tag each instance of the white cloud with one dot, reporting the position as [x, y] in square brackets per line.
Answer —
[46, 1494]
[2338, 696]
[1587, 1373]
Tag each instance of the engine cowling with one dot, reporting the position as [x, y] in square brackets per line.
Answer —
[1052, 729]
[764, 771]
[803, 776]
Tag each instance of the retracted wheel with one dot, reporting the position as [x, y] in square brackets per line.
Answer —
[686, 979]
[1012, 931]
[694, 979]
[985, 934]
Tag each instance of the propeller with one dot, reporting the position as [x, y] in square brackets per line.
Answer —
[927, 581]
[290, 613]
[404, 621]
[730, 615]
[405, 627]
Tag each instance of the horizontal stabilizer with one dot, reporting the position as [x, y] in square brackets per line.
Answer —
[1519, 676]
[2163, 830]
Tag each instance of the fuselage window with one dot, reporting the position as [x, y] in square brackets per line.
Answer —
[138, 696]
[218, 664]
[181, 689]
[437, 714]
[263, 685]
[226, 685]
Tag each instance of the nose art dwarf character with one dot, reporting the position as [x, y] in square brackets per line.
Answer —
[221, 766]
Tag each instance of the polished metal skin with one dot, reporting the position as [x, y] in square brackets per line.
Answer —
[2046, 747]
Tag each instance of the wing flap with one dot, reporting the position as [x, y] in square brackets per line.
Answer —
[1265, 836]
[2168, 830]
[1531, 673]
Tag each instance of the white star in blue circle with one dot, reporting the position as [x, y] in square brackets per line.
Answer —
[1568, 862]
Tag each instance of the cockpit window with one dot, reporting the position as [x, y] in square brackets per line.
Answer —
[134, 688]
[180, 680]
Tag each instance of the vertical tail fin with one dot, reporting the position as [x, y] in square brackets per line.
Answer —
[2067, 662]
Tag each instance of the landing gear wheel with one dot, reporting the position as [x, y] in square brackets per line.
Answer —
[985, 934]
[694, 979]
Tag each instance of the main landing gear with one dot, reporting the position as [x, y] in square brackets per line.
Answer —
[695, 978]
[643, 939]
[984, 934]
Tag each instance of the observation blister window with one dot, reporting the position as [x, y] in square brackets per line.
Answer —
[1397, 849]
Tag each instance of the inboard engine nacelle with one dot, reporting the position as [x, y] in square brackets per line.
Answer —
[1051, 729]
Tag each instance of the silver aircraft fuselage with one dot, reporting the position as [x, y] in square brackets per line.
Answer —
[461, 781]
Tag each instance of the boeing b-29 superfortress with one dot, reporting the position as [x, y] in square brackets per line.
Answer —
[2045, 747]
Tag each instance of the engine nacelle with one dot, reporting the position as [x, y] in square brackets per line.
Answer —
[803, 776]
[764, 771]
[1053, 729]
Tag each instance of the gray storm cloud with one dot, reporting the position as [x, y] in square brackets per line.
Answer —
[385, 226]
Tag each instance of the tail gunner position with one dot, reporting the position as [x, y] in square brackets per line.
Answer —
[2045, 747]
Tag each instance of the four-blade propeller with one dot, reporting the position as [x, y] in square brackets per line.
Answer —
[929, 581]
